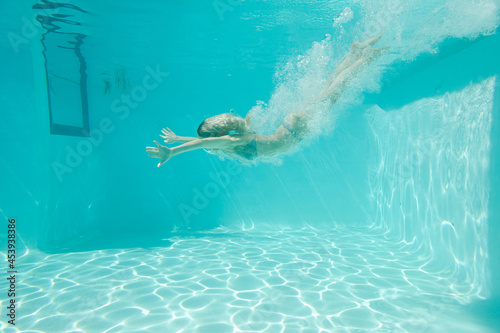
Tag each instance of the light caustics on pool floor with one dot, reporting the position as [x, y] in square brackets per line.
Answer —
[301, 280]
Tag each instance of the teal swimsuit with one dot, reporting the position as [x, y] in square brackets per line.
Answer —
[249, 151]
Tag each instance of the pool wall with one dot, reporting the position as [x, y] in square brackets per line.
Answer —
[23, 176]
[445, 176]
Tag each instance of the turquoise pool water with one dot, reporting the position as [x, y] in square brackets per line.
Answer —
[384, 219]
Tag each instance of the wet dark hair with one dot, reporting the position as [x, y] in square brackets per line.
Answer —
[205, 131]
[219, 125]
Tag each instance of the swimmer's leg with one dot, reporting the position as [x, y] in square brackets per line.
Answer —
[341, 82]
[298, 122]
[355, 53]
[360, 56]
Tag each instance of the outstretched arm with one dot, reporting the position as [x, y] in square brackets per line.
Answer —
[171, 137]
[164, 153]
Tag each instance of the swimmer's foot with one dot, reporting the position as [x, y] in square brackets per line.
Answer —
[358, 48]
[360, 51]
[370, 54]
[372, 41]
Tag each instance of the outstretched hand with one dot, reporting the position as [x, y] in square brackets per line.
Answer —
[168, 135]
[161, 152]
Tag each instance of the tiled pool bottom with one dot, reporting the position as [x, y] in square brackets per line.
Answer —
[247, 281]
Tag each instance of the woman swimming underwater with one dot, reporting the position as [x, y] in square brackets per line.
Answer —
[231, 133]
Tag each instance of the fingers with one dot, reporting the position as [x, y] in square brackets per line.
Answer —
[158, 152]
[152, 152]
[168, 135]
[161, 163]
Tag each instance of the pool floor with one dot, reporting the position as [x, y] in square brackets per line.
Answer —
[288, 280]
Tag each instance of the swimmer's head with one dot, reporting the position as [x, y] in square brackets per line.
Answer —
[221, 125]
